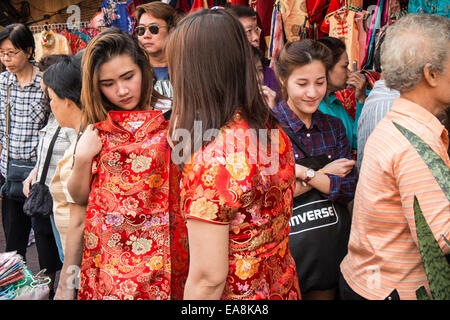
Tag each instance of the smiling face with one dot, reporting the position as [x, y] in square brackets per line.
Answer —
[120, 81]
[306, 86]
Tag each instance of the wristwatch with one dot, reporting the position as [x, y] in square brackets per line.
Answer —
[309, 174]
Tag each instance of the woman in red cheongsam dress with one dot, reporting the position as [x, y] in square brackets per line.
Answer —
[134, 238]
[239, 176]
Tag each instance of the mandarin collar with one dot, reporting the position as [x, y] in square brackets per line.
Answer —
[153, 119]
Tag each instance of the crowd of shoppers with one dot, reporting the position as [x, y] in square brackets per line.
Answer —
[181, 171]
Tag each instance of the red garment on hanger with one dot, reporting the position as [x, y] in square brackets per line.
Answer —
[333, 6]
[239, 2]
[75, 42]
[198, 4]
[264, 10]
[183, 7]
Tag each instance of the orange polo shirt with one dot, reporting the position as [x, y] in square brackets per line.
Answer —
[383, 252]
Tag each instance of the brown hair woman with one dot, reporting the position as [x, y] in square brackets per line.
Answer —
[237, 210]
[133, 246]
[323, 167]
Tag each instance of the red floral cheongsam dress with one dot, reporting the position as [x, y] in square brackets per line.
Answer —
[226, 183]
[135, 240]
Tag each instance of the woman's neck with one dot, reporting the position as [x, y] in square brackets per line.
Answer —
[77, 121]
[305, 117]
[331, 89]
[25, 76]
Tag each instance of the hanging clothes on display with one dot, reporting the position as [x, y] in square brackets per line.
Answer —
[183, 7]
[116, 14]
[332, 7]
[294, 13]
[362, 35]
[395, 10]
[276, 35]
[201, 4]
[62, 38]
[439, 7]
[374, 26]
[98, 20]
[343, 26]
[264, 9]
[48, 42]
[76, 43]
[238, 2]
[90, 32]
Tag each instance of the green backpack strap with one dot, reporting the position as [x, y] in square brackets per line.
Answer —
[437, 166]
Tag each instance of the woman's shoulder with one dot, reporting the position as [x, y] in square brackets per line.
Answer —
[4, 77]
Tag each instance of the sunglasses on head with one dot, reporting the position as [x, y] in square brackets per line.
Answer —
[153, 28]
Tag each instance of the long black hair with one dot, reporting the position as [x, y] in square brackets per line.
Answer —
[64, 78]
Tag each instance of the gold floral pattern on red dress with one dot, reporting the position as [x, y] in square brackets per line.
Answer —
[229, 188]
[135, 237]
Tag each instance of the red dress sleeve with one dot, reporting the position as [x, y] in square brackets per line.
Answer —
[211, 193]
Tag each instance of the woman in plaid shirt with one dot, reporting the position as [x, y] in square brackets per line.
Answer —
[302, 67]
[29, 114]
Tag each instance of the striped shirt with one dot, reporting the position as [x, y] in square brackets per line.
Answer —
[29, 114]
[61, 196]
[383, 252]
[377, 104]
[65, 138]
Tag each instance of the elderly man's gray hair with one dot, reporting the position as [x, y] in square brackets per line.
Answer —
[410, 44]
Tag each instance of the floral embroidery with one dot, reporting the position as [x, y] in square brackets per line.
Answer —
[203, 208]
[91, 241]
[155, 181]
[237, 165]
[156, 263]
[246, 268]
[230, 189]
[128, 286]
[209, 177]
[135, 238]
[114, 219]
[139, 163]
[140, 246]
[131, 203]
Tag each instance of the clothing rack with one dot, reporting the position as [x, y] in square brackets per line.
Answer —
[59, 26]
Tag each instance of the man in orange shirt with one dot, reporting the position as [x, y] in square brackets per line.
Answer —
[383, 260]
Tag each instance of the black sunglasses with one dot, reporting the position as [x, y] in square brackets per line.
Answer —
[153, 28]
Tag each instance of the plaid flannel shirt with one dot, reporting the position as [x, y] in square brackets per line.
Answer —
[29, 113]
[326, 135]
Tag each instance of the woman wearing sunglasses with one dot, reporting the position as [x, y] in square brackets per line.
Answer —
[155, 21]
